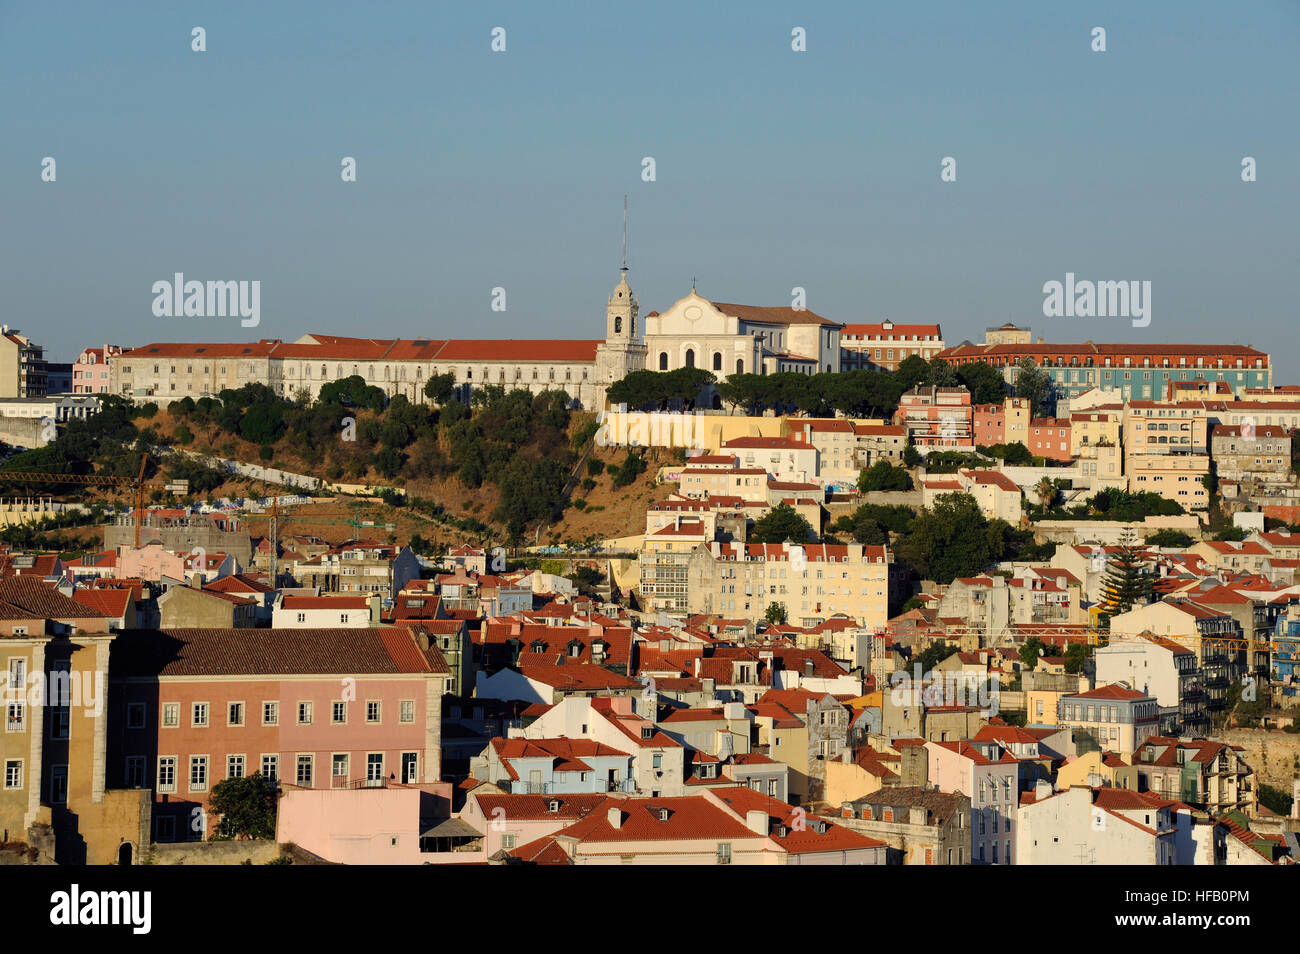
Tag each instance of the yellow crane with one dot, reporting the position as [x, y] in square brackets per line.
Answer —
[136, 485]
[278, 517]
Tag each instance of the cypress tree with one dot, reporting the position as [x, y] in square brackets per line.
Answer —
[1127, 582]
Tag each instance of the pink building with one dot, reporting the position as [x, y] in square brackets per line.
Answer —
[91, 372]
[310, 708]
[1050, 437]
[937, 418]
[149, 562]
[990, 424]
[378, 825]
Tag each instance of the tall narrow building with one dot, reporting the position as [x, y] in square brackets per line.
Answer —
[623, 349]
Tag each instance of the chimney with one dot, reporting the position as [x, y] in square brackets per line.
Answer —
[374, 609]
[757, 821]
[422, 639]
[615, 817]
[1042, 789]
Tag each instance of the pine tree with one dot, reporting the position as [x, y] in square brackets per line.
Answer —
[1127, 582]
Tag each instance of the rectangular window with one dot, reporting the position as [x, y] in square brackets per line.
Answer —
[171, 715]
[135, 771]
[60, 723]
[235, 713]
[270, 713]
[304, 775]
[234, 766]
[304, 713]
[199, 715]
[271, 768]
[339, 713]
[16, 710]
[340, 767]
[372, 712]
[198, 773]
[14, 773]
[167, 773]
[135, 715]
[166, 828]
[406, 711]
[374, 766]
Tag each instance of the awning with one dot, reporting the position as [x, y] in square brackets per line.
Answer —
[451, 828]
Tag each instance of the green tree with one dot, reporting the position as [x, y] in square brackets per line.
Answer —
[951, 539]
[439, 387]
[1031, 651]
[882, 475]
[1033, 384]
[932, 655]
[263, 423]
[985, 382]
[941, 374]
[633, 466]
[780, 524]
[911, 371]
[1046, 491]
[352, 391]
[775, 614]
[1127, 582]
[246, 806]
[1075, 655]
[1169, 538]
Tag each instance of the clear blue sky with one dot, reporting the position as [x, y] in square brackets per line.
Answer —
[775, 169]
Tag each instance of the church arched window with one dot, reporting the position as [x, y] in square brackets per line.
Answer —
[717, 361]
[690, 357]
[663, 361]
[740, 366]
[618, 326]
[324, 371]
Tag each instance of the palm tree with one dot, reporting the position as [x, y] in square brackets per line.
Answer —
[1046, 491]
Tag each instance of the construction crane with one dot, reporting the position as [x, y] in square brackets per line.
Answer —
[277, 516]
[136, 485]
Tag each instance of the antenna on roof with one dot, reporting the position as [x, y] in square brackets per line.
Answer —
[624, 232]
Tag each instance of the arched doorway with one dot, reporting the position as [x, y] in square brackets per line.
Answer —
[124, 853]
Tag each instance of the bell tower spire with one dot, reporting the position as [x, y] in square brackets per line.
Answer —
[623, 349]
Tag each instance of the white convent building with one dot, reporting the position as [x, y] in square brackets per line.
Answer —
[694, 332]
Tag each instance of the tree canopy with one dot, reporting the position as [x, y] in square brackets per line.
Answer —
[780, 524]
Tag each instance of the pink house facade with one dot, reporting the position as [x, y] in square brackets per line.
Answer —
[312, 708]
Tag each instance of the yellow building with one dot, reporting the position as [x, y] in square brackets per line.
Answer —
[22, 365]
[1093, 430]
[1155, 427]
[1097, 769]
[813, 581]
[1176, 477]
[54, 752]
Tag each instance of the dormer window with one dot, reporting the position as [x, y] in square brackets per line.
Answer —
[553, 805]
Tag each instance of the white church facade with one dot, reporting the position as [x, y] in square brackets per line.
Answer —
[695, 332]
